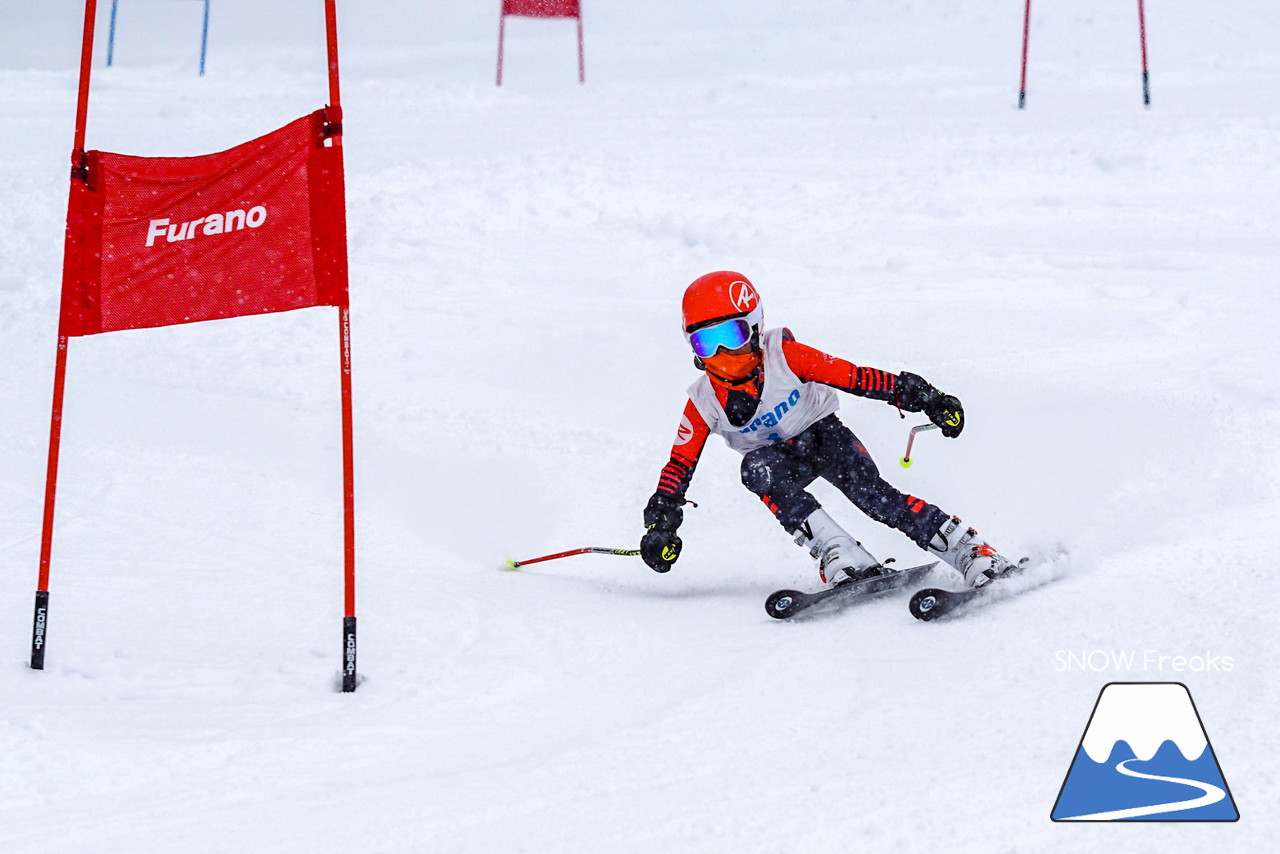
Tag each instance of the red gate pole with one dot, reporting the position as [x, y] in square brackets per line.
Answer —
[348, 511]
[1026, 32]
[40, 621]
[1142, 35]
[331, 49]
[582, 68]
[348, 445]
[502, 33]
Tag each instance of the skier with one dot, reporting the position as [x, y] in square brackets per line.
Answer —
[772, 399]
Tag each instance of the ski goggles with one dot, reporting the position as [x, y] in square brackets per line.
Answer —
[729, 334]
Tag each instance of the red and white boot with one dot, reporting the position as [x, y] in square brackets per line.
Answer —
[973, 557]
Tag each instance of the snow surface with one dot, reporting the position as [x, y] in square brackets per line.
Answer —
[1096, 281]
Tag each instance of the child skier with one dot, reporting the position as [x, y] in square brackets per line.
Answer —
[772, 399]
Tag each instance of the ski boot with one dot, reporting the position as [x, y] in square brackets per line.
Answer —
[969, 554]
[841, 558]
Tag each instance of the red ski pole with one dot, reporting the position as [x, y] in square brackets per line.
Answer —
[906, 458]
[589, 550]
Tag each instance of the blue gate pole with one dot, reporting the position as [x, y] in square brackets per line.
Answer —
[204, 36]
[111, 35]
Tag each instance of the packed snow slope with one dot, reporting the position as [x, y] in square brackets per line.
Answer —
[1095, 280]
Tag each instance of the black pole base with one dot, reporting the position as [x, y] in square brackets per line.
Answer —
[1146, 89]
[38, 627]
[1022, 100]
[348, 654]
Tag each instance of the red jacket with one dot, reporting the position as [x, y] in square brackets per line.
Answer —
[809, 365]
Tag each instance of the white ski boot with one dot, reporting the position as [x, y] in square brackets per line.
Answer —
[969, 554]
[841, 558]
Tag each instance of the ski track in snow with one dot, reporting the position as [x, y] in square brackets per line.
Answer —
[1094, 280]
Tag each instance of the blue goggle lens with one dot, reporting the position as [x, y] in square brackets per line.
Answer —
[731, 334]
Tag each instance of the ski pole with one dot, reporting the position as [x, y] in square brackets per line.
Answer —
[513, 565]
[906, 458]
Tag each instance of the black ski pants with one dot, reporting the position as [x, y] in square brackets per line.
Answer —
[780, 473]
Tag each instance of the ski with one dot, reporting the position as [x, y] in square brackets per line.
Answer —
[934, 602]
[785, 604]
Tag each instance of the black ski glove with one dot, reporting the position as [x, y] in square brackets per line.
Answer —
[660, 547]
[914, 393]
[945, 411]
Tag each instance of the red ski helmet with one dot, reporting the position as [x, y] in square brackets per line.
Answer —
[718, 296]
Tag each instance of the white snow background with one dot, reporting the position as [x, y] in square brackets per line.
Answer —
[1096, 281]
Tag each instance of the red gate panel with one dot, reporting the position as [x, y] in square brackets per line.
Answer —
[154, 241]
[542, 8]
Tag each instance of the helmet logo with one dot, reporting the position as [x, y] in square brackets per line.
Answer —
[742, 296]
[685, 432]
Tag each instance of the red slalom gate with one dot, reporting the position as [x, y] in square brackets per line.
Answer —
[157, 241]
[1142, 35]
[1142, 38]
[541, 9]
[1026, 32]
